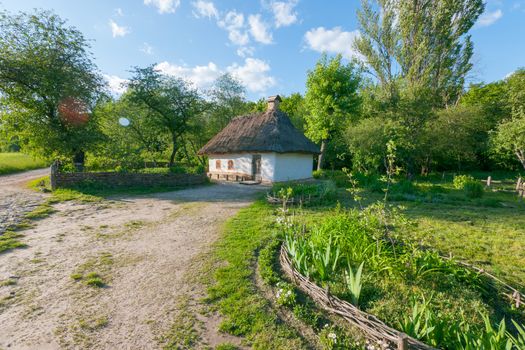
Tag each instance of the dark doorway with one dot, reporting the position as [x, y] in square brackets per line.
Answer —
[256, 167]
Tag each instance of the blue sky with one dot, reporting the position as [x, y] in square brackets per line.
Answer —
[267, 44]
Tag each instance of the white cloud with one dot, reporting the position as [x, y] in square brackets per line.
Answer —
[332, 41]
[117, 30]
[116, 84]
[233, 22]
[201, 76]
[253, 74]
[245, 51]
[164, 6]
[259, 30]
[284, 13]
[147, 49]
[205, 9]
[119, 12]
[489, 18]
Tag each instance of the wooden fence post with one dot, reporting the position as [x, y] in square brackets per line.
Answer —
[489, 181]
[518, 184]
[53, 175]
[402, 342]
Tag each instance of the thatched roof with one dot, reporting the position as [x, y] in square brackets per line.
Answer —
[269, 131]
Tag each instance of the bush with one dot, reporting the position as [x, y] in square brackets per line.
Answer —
[460, 181]
[467, 183]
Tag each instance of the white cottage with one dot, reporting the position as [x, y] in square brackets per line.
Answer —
[264, 147]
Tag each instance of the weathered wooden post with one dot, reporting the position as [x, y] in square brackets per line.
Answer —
[518, 184]
[53, 175]
[489, 181]
[402, 342]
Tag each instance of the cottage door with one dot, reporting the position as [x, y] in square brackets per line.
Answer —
[256, 167]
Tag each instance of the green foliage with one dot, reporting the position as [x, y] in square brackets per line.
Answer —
[244, 311]
[331, 99]
[354, 283]
[48, 85]
[317, 193]
[337, 176]
[171, 103]
[472, 187]
[331, 96]
[390, 272]
[461, 180]
[267, 262]
[509, 139]
[426, 325]
[285, 295]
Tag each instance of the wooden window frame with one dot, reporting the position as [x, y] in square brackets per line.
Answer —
[217, 164]
[231, 165]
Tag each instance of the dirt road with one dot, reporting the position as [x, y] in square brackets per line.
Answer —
[15, 200]
[137, 248]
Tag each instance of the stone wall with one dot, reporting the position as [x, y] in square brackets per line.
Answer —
[115, 180]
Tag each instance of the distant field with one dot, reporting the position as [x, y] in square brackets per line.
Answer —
[16, 162]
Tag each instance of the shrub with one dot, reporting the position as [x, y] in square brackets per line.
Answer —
[471, 187]
[460, 181]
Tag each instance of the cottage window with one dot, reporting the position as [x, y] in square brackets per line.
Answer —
[218, 164]
[230, 164]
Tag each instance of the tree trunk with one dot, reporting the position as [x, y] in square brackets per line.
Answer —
[321, 155]
[173, 151]
[521, 156]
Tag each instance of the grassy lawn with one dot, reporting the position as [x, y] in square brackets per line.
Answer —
[246, 312]
[17, 162]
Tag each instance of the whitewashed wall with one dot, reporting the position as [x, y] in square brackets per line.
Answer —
[293, 166]
[275, 167]
[242, 163]
[268, 161]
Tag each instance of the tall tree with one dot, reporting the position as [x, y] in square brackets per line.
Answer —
[509, 138]
[421, 46]
[331, 99]
[228, 101]
[172, 102]
[48, 85]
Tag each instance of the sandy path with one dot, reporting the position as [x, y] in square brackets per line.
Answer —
[141, 248]
[15, 200]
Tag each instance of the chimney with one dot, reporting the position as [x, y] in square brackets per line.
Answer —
[273, 102]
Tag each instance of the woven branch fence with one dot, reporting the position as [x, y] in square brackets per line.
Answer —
[373, 328]
[514, 295]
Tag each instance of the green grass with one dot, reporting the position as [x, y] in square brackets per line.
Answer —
[9, 240]
[95, 271]
[245, 311]
[16, 162]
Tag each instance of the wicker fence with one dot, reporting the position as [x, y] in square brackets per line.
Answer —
[372, 328]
